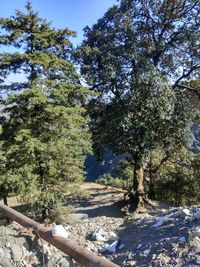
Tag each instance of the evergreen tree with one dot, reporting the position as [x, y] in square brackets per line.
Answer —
[45, 136]
[137, 57]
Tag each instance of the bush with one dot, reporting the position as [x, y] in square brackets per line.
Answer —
[108, 180]
[179, 187]
[61, 214]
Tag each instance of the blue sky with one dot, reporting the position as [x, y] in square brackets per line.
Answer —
[74, 14]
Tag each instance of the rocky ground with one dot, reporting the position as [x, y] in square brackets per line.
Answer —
[163, 237]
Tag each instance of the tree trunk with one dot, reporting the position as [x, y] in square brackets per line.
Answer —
[151, 194]
[138, 199]
[138, 178]
[5, 200]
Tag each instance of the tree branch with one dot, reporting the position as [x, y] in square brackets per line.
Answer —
[183, 76]
[189, 88]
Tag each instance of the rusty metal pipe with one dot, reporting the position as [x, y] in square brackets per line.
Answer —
[79, 254]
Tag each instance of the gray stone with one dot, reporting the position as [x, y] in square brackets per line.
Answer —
[52, 262]
[60, 262]
[197, 259]
[65, 262]
[4, 262]
[164, 258]
[195, 232]
[78, 217]
[16, 252]
[21, 241]
[195, 244]
[5, 252]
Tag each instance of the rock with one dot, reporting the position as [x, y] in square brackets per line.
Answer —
[194, 232]
[90, 246]
[182, 239]
[78, 217]
[7, 245]
[5, 252]
[60, 262]
[5, 262]
[16, 253]
[52, 262]
[197, 257]
[195, 244]
[164, 258]
[65, 262]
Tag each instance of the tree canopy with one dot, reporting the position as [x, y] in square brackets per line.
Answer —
[137, 57]
[45, 135]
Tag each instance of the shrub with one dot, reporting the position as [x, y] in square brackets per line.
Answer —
[108, 180]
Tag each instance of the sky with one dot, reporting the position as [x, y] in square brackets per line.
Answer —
[74, 14]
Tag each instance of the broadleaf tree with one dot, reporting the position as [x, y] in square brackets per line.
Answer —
[45, 135]
[137, 57]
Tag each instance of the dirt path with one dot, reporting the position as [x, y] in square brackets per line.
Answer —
[105, 201]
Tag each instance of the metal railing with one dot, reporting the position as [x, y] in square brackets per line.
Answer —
[81, 255]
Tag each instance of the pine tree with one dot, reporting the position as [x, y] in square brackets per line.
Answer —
[45, 136]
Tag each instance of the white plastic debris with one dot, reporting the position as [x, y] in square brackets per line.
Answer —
[160, 222]
[100, 235]
[139, 246]
[131, 263]
[146, 252]
[154, 256]
[186, 212]
[115, 246]
[196, 215]
[59, 230]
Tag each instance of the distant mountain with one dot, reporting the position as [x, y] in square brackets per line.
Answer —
[94, 168]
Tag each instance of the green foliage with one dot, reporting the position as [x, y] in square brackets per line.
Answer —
[135, 57]
[125, 172]
[108, 180]
[61, 214]
[134, 34]
[179, 184]
[45, 134]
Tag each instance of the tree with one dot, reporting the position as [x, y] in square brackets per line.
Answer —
[136, 57]
[175, 154]
[179, 183]
[45, 136]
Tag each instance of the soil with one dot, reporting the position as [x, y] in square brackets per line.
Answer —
[164, 236]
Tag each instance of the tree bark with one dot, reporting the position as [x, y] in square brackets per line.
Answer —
[151, 193]
[138, 178]
[5, 199]
[138, 198]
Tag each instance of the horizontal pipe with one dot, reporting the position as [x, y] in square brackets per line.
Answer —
[79, 254]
